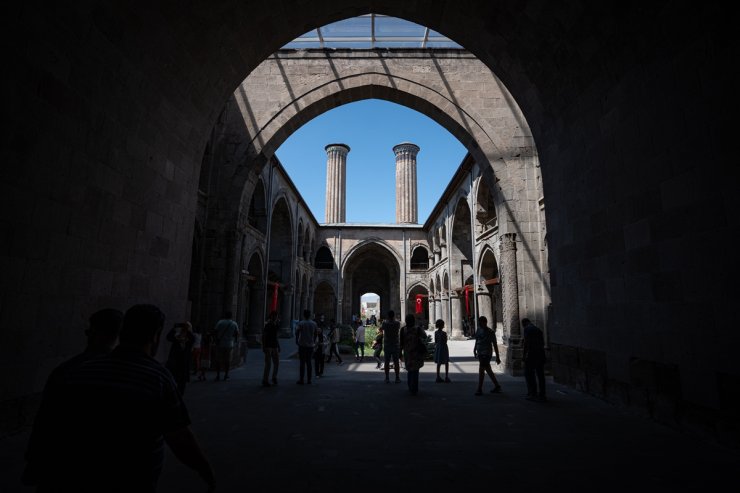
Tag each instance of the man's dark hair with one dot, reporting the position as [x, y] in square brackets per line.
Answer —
[141, 324]
[410, 320]
[525, 321]
[482, 320]
[391, 314]
[306, 314]
[227, 314]
[273, 314]
[106, 323]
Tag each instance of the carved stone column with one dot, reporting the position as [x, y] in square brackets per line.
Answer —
[432, 312]
[484, 306]
[510, 302]
[285, 310]
[256, 314]
[456, 331]
[336, 182]
[445, 302]
[406, 195]
[438, 309]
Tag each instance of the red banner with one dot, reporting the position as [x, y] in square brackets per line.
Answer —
[418, 303]
[273, 306]
[467, 302]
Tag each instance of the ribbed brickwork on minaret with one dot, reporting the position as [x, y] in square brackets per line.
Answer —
[406, 207]
[336, 183]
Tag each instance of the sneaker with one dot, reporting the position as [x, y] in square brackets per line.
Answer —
[226, 377]
[438, 380]
[478, 392]
[274, 381]
[398, 380]
[300, 382]
[340, 363]
[266, 384]
[447, 380]
[496, 389]
[387, 381]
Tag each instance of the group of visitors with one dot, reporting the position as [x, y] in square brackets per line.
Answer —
[117, 380]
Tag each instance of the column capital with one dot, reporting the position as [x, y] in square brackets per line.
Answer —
[342, 148]
[406, 148]
[507, 242]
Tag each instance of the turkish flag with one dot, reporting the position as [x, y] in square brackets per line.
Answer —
[273, 306]
[467, 302]
[418, 304]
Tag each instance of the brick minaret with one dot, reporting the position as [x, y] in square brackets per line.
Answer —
[406, 206]
[336, 183]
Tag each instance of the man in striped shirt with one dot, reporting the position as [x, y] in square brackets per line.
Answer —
[111, 416]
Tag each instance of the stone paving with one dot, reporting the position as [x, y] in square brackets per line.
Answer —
[351, 431]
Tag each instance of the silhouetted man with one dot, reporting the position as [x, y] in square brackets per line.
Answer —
[534, 361]
[110, 417]
[304, 338]
[226, 333]
[102, 337]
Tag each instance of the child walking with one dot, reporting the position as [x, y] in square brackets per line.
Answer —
[441, 351]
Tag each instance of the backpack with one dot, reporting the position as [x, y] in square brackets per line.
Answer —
[415, 342]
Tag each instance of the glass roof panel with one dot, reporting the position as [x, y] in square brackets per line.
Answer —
[395, 27]
[372, 31]
[353, 27]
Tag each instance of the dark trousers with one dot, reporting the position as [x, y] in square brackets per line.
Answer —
[332, 351]
[272, 358]
[318, 360]
[413, 381]
[360, 348]
[535, 367]
[305, 354]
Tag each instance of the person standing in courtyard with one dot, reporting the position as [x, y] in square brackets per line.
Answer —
[304, 338]
[391, 345]
[441, 351]
[271, 349]
[318, 352]
[227, 336]
[334, 339]
[413, 341]
[485, 347]
[378, 348]
[196, 351]
[180, 337]
[359, 341]
[534, 361]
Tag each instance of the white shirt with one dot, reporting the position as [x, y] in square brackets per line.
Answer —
[360, 334]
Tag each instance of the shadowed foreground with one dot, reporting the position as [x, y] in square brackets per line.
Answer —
[351, 431]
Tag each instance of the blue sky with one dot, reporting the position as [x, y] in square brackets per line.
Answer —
[371, 128]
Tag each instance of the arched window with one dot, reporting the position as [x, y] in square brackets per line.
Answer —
[257, 216]
[324, 258]
[420, 259]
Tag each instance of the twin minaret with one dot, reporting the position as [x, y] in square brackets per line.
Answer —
[336, 183]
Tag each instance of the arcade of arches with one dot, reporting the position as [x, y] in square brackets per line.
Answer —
[139, 167]
[499, 179]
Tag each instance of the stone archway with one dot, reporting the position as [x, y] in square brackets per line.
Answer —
[371, 268]
[422, 318]
[325, 301]
[461, 255]
[255, 300]
[488, 292]
[280, 261]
